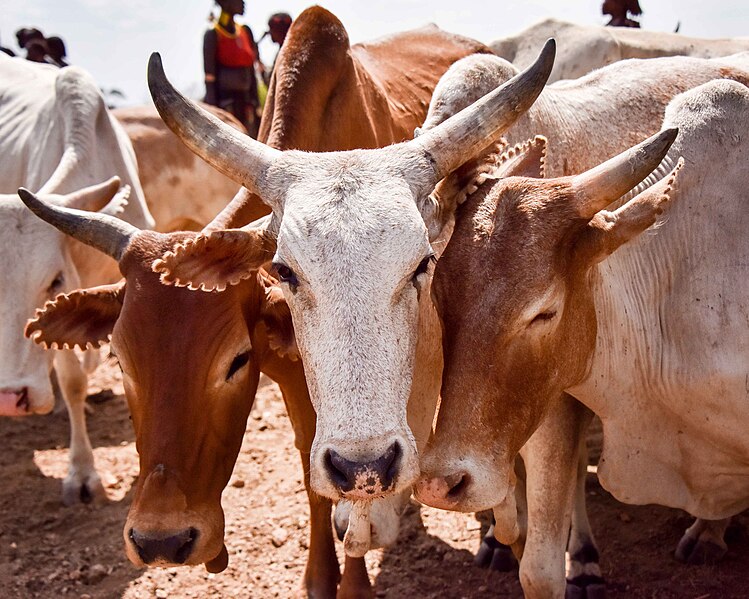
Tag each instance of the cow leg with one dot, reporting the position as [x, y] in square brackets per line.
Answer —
[321, 575]
[551, 460]
[584, 577]
[82, 482]
[494, 555]
[355, 583]
[703, 542]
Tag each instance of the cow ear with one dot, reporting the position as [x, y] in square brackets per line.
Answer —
[84, 318]
[96, 197]
[607, 230]
[276, 316]
[523, 160]
[214, 261]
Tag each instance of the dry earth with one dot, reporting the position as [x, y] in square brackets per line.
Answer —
[50, 551]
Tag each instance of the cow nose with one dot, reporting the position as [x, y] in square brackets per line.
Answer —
[442, 491]
[14, 402]
[164, 547]
[364, 479]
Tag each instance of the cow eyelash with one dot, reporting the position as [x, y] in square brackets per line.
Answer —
[424, 265]
[543, 317]
[286, 275]
[56, 283]
[237, 364]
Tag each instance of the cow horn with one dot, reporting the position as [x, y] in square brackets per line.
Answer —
[101, 231]
[598, 187]
[456, 141]
[233, 153]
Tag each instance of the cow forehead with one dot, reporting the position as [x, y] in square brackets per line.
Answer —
[26, 241]
[352, 211]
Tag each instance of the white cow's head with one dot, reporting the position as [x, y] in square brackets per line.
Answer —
[354, 254]
[36, 266]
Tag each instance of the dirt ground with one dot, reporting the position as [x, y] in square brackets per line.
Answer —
[47, 550]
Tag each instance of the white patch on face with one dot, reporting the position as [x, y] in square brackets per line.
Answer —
[353, 237]
[33, 253]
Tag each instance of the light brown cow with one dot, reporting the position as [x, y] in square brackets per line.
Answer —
[183, 193]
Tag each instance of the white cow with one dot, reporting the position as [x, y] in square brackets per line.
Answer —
[57, 136]
[183, 192]
[584, 48]
[648, 330]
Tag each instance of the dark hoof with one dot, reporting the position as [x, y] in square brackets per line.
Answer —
[697, 553]
[585, 587]
[494, 555]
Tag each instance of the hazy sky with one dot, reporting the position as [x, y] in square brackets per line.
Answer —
[113, 39]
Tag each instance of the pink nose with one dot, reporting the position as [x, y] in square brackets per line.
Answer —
[443, 492]
[14, 402]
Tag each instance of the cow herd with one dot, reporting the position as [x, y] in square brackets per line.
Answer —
[447, 265]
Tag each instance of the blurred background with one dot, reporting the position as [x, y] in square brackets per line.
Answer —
[113, 38]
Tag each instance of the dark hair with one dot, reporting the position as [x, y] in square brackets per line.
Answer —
[25, 35]
[56, 47]
[280, 20]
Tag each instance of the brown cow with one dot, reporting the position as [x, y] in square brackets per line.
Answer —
[188, 434]
[182, 191]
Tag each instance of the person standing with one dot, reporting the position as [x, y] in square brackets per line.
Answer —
[229, 57]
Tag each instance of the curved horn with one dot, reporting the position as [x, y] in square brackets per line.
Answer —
[233, 153]
[598, 187]
[456, 141]
[101, 231]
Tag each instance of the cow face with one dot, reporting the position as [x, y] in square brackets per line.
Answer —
[190, 369]
[514, 292]
[37, 265]
[354, 259]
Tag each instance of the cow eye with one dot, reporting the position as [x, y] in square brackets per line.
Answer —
[424, 265]
[285, 274]
[56, 283]
[543, 317]
[237, 363]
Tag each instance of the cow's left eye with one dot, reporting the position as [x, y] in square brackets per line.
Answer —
[543, 317]
[56, 284]
[237, 364]
[423, 266]
[285, 274]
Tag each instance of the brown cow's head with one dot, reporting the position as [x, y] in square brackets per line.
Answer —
[513, 290]
[190, 365]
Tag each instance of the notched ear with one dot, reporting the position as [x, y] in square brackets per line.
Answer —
[215, 261]
[276, 316]
[523, 160]
[84, 318]
[608, 230]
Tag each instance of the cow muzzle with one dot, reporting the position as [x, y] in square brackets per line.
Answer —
[163, 548]
[15, 402]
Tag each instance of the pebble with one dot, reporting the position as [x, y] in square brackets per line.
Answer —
[96, 574]
[279, 537]
[161, 594]
[624, 517]
[237, 483]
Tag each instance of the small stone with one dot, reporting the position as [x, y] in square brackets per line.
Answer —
[161, 594]
[84, 596]
[624, 517]
[96, 574]
[279, 537]
[237, 483]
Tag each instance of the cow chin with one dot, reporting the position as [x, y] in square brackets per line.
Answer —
[26, 397]
[165, 540]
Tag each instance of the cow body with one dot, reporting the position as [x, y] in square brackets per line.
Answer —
[585, 122]
[56, 135]
[584, 48]
[182, 191]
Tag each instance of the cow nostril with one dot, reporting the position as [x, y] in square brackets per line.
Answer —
[457, 484]
[391, 464]
[170, 548]
[339, 469]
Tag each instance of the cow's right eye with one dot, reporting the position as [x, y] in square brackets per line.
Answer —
[285, 274]
[237, 363]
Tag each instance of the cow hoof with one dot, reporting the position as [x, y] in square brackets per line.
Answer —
[494, 555]
[697, 553]
[76, 489]
[585, 587]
